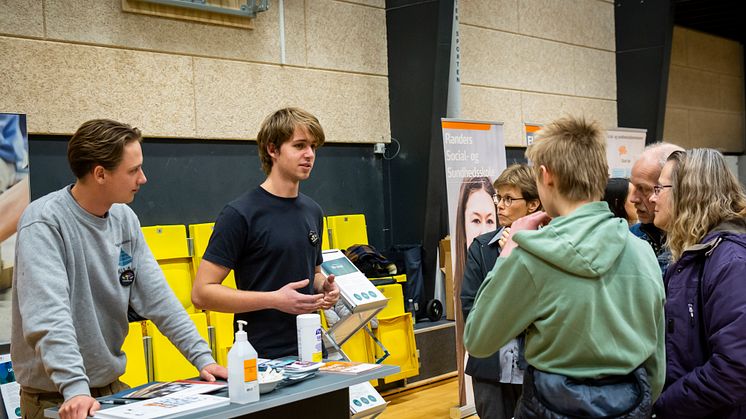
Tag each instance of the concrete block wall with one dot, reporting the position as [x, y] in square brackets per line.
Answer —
[705, 102]
[67, 62]
[537, 60]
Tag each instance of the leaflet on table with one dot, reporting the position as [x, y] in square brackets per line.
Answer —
[182, 387]
[354, 287]
[345, 367]
[164, 406]
[9, 388]
[293, 371]
[302, 366]
[365, 398]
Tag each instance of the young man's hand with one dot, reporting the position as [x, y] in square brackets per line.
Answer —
[529, 222]
[331, 293]
[211, 372]
[79, 407]
[293, 302]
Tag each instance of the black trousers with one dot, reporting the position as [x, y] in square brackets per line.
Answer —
[495, 400]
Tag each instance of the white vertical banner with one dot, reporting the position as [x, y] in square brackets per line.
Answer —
[474, 156]
[623, 147]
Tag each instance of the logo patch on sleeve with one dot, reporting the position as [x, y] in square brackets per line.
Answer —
[313, 237]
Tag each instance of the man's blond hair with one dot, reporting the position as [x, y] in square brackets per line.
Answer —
[574, 151]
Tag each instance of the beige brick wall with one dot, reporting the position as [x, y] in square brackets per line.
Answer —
[705, 101]
[537, 60]
[69, 61]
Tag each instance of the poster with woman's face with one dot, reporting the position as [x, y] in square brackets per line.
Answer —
[474, 156]
[14, 197]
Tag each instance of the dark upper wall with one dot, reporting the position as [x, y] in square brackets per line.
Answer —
[643, 53]
[189, 181]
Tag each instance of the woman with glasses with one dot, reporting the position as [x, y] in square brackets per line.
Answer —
[701, 206]
[498, 379]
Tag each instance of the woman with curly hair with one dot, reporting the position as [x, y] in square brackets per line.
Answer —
[701, 206]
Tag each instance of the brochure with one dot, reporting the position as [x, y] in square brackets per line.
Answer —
[344, 367]
[302, 366]
[182, 387]
[355, 289]
[365, 400]
[9, 389]
[164, 406]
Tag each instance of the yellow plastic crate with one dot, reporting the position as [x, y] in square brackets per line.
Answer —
[397, 335]
[395, 306]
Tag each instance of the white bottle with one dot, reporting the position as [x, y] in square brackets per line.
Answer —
[309, 337]
[243, 385]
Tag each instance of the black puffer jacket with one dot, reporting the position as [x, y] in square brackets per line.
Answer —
[554, 396]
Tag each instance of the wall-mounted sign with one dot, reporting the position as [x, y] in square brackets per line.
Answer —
[623, 147]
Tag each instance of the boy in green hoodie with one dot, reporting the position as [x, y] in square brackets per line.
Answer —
[588, 293]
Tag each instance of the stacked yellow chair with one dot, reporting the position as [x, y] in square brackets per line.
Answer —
[136, 373]
[170, 248]
[220, 324]
[395, 326]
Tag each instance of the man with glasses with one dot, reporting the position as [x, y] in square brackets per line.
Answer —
[644, 178]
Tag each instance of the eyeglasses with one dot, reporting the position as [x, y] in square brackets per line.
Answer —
[507, 200]
[658, 188]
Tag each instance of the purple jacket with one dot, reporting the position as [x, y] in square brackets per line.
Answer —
[706, 334]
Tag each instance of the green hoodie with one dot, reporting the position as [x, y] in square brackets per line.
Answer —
[588, 293]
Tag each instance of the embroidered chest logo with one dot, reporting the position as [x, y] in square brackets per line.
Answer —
[126, 271]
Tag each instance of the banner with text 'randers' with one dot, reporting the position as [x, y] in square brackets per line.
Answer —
[474, 157]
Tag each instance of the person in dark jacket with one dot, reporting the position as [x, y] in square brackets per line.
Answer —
[645, 173]
[497, 380]
[701, 206]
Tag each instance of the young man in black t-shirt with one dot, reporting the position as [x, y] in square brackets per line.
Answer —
[271, 237]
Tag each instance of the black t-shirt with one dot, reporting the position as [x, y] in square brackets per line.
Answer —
[269, 242]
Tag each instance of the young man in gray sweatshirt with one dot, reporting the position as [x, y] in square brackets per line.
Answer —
[81, 260]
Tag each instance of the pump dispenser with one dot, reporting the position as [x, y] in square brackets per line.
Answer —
[243, 385]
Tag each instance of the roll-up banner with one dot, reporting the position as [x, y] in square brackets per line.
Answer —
[530, 131]
[623, 147]
[474, 157]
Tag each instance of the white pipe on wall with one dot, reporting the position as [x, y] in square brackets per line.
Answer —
[281, 7]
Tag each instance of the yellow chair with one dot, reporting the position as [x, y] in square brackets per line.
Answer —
[170, 248]
[136, 372]
[168, 363]
[346, 230]
[397, 335]
[325, 241]
[167, 242]
[222, 327]
[200, 235]
[178, 274]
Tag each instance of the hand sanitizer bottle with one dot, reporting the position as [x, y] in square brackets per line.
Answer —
[243, 386]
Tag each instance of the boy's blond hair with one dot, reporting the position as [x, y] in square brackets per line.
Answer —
[574, 151]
